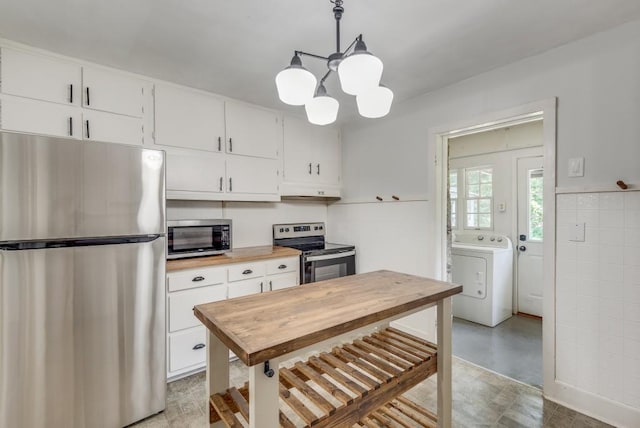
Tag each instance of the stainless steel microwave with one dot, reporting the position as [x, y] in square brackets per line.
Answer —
[195, 238]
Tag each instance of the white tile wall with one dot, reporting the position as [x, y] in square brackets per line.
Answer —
[598, 295]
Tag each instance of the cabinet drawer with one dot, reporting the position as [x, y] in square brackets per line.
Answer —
[181, 305]
[187, 348]
[247, 287]
[194, 278]
[246, 271]
[290, 264]
[285, 280]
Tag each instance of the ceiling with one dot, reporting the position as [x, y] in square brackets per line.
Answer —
[235, 48]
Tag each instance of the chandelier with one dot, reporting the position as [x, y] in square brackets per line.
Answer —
[359, 73]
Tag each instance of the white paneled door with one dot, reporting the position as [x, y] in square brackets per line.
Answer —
[530, 238]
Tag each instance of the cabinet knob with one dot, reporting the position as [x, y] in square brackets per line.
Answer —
[88, 131]
[282, 267]
[198, 279]
[88, 98]
[221, 184]
[310, 166]
[318, 169]
[247, 272]
[230, 184]
[198, 346]
[71, 93]
[230, 144]
[219, 144]
[71, 126]
[262, 287]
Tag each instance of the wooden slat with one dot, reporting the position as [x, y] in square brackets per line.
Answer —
[393, 349]
[413, 413]
[297, 406]
[243, 406]
[412, 348]
[322, 367]
[225, 412]
[415, 339]
[345, 356]
[373, 360]
[324, 383]
[381, 353]
[285, 422]
[397, 417]
[354, 373]
[382, 420]
[417, 408]
[317, 399]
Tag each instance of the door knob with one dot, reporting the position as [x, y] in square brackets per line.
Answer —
[522, 248]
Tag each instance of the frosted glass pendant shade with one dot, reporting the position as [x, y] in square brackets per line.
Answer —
[375, 102]
[360, 71]
[295, 83]
[322, 109]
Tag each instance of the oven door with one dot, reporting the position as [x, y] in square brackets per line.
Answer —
[328, 266]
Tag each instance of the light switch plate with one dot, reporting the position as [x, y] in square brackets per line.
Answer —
[577, 232]
[576, 167]
[502, 207]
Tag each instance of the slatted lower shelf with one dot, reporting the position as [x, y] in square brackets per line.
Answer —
[358, 384]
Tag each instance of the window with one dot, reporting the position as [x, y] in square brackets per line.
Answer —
[534, 213]
[453, 197]
[478, 198]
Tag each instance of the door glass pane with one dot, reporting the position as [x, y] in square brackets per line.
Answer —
[473, 190]
[472, 206]
[473, 177]
[472, 220]
[535, 204]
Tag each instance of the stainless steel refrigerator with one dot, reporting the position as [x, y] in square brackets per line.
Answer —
[82, 297]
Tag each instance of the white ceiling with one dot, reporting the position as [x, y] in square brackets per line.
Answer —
[236, 47]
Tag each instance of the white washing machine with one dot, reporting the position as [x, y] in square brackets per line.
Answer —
[483, 264]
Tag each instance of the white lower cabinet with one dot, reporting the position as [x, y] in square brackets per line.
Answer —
[285, 280]
[187, 348]
[181, 305]
[186, 336]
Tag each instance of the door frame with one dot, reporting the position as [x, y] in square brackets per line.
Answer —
[439, 148]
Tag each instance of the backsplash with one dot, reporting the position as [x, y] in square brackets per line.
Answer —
[252, 221]
[598, 294]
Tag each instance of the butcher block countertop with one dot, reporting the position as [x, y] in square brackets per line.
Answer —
[264, 326]
[239, 255]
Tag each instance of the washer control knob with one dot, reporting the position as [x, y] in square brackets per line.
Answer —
[287, 229]
[493, 238]
[321, 227]
[315, 228]
[499, 239]
[480, 238]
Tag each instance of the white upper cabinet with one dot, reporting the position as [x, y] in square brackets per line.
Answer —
[111, 128]
[195, 174]
[37, 117]
[252, 131]
[189, 119]
[113, 92]
[39, 77]
[312, 159]
[252, 175]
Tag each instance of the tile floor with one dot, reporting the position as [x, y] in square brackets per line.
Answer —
[512, 348]
[480, 399]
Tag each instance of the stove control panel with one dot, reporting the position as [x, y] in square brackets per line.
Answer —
[298, 230]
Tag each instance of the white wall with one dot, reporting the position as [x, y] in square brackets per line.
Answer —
[597, 85]
[252, 221]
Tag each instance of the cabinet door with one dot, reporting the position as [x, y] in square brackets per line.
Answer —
[181, 305]
[298, 155]
[39, 117]
[252, 175]
[252, 131]
[39, 77]
[113, 92]
[285, 280]
[327, 155]
[245, 288]
[111, 128]
[187, 348]
[189, 171]
[185, 118]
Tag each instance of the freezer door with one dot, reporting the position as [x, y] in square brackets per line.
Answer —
[82, 335]
[53, 188]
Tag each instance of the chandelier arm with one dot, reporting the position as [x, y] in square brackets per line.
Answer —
[312, 55]
[346, 52]
[326, 76]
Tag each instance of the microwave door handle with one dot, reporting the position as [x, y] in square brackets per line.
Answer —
[331, 256]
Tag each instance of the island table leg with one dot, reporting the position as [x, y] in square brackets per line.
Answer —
[264, 403]
[217, 369]
[444, 363]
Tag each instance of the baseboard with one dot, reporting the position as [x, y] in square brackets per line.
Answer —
[595, 406]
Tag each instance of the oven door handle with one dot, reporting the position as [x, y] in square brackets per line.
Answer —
[330, 256]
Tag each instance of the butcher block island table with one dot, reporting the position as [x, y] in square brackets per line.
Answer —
[361, 366]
